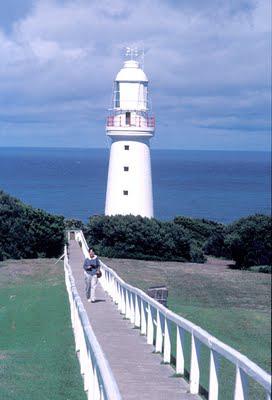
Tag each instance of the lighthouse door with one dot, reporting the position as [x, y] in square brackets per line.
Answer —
[128, 118]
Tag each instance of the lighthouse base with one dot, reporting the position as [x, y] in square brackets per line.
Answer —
[129, 187]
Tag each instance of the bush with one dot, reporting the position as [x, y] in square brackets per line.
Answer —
[73, 224]
[199, 232]
[137, 237]
[265, 269]
[248, 241]
[199, 229]
[215, 245]
[26, 232]
[197, 255]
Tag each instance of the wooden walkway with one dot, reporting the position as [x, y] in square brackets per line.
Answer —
[139, 373]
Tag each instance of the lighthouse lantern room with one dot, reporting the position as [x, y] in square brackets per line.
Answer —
[130, 127]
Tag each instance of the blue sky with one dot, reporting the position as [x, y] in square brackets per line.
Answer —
[208, 63]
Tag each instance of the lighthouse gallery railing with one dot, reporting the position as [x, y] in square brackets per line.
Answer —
[136, 122]
[152, 317]
[98, 379]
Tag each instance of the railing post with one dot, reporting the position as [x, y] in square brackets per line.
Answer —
[241, 385]
[119, 302]
[137, 321]
[110, 285]
[132, 307]
[114, 290]
[127, 305]
[143, 318]
[123, 301]
[167, 341]
[105, 281]
[195, 367]
[214, 375]
[150, 325]
[180, 351]
[159, 337]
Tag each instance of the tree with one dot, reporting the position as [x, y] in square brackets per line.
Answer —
[249, 241]
[26, 232]
[137, 237]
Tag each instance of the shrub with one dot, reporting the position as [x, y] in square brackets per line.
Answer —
[197, 255]
[137, 237]
[248, 241]
[73, 224]
[215, 245]
[199, 230]
[265, 269]
[26, 232]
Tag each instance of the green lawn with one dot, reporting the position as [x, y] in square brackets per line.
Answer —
[232, 305]
[37, 354]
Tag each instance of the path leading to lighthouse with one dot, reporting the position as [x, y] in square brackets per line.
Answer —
[139, 372]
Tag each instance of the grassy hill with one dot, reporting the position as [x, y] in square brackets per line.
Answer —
[37, 353]
[233, 305]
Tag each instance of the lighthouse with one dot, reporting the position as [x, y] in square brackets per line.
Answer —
[130, 128]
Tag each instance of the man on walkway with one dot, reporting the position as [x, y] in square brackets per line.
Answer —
[91, 268]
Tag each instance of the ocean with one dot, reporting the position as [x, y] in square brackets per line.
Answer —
[217, 185]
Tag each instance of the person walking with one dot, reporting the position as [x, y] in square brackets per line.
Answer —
[91, 267]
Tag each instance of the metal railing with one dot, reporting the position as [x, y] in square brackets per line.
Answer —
[157, 322]
[137, 122]
[99, 382]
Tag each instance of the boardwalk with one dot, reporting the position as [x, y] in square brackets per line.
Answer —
[139, 372]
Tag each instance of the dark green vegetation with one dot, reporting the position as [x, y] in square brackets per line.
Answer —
[37, 353]
[233, 305]
[26, 232]
[137, 237]
[246, 241]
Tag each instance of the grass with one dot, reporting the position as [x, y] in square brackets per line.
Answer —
[37, 356]
[232, 305]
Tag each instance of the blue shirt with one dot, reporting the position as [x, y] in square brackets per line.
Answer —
[91, 265]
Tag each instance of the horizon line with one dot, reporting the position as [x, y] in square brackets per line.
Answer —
[106, 148]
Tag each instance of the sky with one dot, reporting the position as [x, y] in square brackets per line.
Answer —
[208, 64]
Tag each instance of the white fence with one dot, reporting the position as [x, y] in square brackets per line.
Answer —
[157, 322]
[99, 382]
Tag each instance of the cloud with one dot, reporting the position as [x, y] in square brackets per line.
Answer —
[208, 64]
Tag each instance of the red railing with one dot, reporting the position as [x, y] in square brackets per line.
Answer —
[137, 122]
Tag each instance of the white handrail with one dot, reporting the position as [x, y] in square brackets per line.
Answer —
[97, 375]
[145, 313]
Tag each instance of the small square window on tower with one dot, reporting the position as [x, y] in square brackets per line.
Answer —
[126, 147]
[125, 192]
[126, 168]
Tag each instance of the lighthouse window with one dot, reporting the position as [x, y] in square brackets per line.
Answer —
[125, 192]
[128, 120]
[117, 95]
[126, 168]
[126, 147]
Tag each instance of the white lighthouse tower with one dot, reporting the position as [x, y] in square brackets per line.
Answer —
[129, 187]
